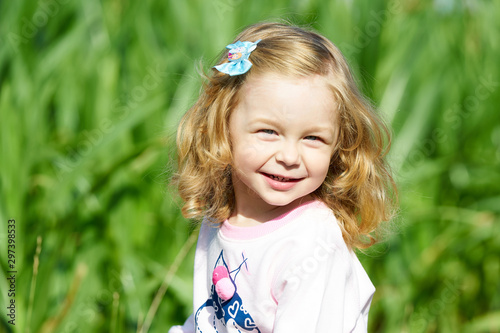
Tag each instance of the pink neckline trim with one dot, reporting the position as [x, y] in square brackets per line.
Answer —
[246, 233]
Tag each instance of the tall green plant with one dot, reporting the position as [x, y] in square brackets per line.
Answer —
[90, 95]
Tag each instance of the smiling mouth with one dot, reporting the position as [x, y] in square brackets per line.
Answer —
[281, 179]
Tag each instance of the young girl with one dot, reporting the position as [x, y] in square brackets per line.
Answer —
[283, 158]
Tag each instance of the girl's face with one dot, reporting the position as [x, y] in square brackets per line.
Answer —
[283, 134]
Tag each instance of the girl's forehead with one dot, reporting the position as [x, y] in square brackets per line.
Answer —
[277, 81]
[288, 91]
[285, 98]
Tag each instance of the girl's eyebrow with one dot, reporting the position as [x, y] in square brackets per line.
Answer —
[273, 121]
[267, 120]
[320, 129]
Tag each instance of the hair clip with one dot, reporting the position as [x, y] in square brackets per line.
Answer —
[238, 58]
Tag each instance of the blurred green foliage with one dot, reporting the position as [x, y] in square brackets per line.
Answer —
[90, 95]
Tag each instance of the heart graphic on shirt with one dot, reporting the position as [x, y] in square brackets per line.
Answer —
[228, 309]
[249, 323]
[233, 309]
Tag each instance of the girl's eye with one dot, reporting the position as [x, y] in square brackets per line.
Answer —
[313, 138]
[268, 131]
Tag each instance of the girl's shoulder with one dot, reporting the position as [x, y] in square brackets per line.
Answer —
[317, 224]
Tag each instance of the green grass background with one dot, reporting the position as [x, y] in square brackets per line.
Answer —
[90, 95]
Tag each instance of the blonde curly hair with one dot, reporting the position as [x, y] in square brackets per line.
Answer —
[358, 188]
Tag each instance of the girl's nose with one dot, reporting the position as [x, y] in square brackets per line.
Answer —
[288, 154]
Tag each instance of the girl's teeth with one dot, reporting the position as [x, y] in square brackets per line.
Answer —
[281, 179]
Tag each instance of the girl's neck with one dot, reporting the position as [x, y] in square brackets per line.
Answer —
[253, 217]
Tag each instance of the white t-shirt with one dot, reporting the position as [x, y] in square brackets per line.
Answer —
[291, 274]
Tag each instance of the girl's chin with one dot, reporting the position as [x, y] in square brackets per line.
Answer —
[289, 201]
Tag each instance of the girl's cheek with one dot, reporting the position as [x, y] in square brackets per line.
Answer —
[318, 157]
[261, 145]
[251, 150]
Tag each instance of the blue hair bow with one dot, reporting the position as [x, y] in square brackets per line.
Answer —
[238, 58]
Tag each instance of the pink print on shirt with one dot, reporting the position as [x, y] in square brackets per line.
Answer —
[225, 306]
